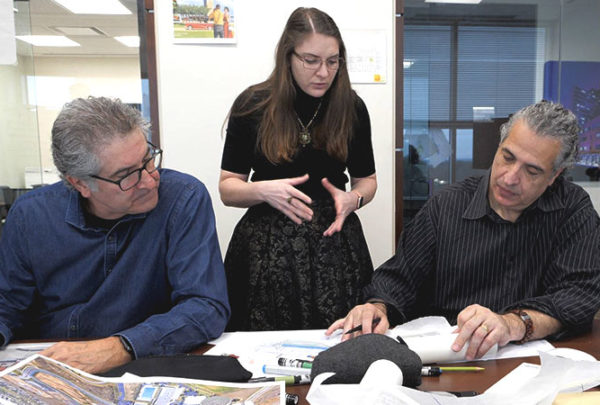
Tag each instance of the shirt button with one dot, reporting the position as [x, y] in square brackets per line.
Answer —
[73, 327]
[111, 238]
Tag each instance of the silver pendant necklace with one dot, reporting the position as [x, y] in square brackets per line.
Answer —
[305, 137]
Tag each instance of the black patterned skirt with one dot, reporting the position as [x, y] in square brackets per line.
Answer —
[286, 276]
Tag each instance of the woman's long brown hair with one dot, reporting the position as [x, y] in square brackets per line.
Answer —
[278, 130]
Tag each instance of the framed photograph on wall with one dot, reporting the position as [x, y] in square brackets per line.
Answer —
[204, 22]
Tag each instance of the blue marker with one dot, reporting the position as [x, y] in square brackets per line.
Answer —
[285, 370]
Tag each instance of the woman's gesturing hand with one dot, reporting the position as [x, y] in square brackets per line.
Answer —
[345, 203]
[284, 196]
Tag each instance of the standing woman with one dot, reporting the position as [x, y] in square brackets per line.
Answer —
[298, 258]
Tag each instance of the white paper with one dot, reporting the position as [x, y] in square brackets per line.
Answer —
[430, 337]
[366, 55]
[378, 387]
[438, 349]
[528, 384]
[15, 352]
[256, 349]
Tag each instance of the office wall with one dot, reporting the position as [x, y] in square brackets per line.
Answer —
[198, 83]
[18, 125]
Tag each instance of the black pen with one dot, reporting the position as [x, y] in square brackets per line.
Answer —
[431, 371]
[359, 327]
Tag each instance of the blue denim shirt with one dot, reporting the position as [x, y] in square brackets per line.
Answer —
[155, 278]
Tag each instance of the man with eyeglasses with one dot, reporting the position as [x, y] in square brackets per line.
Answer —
[120, 252]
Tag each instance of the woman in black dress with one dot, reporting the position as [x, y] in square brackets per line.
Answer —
[298, 258]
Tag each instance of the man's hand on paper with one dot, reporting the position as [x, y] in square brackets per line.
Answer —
[362, 315]
[483, 328]
[94, 356]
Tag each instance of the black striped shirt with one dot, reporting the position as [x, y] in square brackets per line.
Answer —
[457, 251]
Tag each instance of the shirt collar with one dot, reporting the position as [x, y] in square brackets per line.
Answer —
[480, 206]
[74, 215]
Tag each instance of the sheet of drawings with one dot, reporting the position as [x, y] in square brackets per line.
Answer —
[257, 349]
[430, 337]
[41, 380]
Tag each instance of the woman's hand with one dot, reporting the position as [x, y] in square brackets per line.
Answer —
[345, 203]
[283, 196]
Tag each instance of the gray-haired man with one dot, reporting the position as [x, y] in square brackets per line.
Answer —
[121, 252]
[510, 256]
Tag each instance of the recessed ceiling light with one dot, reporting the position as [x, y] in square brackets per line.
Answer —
[454, 1]
[94, 6]
[130, 41]
[47, 40]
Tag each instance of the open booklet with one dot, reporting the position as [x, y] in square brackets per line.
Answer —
[40, 380]
[430, 337]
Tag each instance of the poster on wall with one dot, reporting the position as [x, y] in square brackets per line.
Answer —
[204, 22]
[576, 85]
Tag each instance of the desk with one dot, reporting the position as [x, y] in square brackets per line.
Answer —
[472, 381]
[494, 369]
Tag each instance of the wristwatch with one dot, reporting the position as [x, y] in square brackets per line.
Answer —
[359, 201]
[127, 346]
[524, 316]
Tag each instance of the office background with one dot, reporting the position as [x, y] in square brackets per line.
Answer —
[425, 117]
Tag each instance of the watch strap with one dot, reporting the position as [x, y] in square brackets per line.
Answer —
[360, 199]
[127, 346]
[528, 322]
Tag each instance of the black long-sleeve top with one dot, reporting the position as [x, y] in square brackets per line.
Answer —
[457, 251]
[241, 154]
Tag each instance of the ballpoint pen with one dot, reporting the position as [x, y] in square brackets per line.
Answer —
[359, 327]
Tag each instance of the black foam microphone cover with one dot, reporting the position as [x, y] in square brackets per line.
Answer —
[349, 360]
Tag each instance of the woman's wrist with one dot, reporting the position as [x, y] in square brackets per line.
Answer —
[359, 199]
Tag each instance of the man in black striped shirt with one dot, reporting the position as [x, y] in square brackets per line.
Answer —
[510, 256]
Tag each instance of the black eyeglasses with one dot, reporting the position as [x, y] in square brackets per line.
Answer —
[311, 62]
[131, 179]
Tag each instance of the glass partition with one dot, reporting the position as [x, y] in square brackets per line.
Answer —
[100, 60]
[467, 67]
[19, 142]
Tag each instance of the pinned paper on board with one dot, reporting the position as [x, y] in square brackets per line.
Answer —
[366, 55]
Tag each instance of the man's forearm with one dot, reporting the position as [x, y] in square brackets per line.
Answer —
[542, 325]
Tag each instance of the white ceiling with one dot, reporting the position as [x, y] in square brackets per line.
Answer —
[41, 17]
